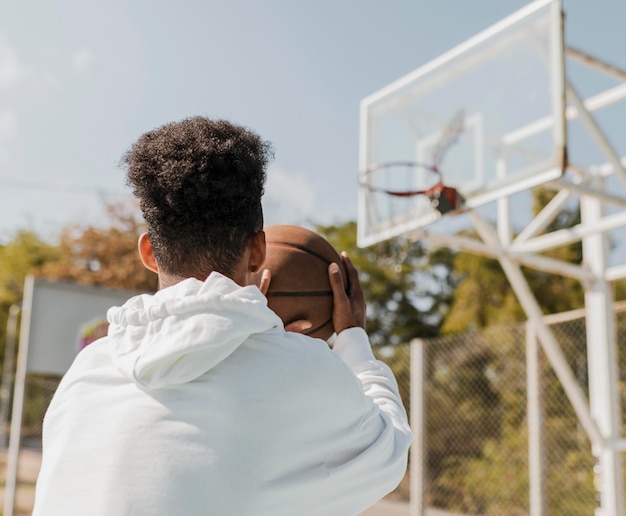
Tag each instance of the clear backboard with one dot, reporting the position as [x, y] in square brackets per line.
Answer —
[506, 84]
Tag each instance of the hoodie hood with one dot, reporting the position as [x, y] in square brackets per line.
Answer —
[183, 331]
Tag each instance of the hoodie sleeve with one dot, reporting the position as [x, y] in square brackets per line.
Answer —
[384, 433]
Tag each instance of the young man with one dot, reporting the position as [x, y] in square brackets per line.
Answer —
[197, 402]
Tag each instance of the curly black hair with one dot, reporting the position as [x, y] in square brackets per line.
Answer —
[199, 183]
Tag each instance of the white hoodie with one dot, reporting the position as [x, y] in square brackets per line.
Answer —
[199, 403]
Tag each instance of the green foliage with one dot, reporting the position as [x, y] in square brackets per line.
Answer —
[23, 255]
[483, 297]
[407, 290]
[470, 486]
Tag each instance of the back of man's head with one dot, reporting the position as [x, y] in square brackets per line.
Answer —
[199, 183]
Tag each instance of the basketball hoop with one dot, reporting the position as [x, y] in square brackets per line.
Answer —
[443, 198]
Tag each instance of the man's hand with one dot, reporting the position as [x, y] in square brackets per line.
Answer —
[348, 308]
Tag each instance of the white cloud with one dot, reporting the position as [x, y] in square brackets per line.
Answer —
[82, 59]
[11, 70]
[289, 197]
[8, 124]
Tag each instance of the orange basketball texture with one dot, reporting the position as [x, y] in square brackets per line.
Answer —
[298, 260]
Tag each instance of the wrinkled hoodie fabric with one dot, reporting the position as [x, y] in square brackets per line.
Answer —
[199, 403]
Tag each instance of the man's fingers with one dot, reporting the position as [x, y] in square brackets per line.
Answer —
[266, 277]
[336, 280]
[342, 310]
[353, 275]
[357, 298]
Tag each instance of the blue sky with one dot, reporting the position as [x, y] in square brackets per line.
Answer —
[80, 80]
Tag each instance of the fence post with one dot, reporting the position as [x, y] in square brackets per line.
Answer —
[18, 401]
[418, 424]
[536, 428]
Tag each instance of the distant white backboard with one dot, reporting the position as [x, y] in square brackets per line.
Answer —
[508, 82]
[55, 318]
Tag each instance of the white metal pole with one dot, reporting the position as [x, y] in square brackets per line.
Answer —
[596, 133]
[567, 236]
[536, 430]
[596, 63]
[545, 217]
[18, 401]
[542, 263]
[505, 231]
[602, 358]
[605, 197]
[363, 155]
[615, 273]
[418, 424]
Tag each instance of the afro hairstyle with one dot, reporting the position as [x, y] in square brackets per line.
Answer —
[199, 183]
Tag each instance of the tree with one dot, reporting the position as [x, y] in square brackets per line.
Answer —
[23, 255]
[406, 291]
[103, 256]
[483, 296]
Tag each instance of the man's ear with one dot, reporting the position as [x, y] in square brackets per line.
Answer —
[257, 252]
[146, 253]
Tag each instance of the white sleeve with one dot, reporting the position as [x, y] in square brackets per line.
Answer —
[385, 428]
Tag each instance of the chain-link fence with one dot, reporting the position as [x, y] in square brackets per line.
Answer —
[39, 390]
[473, 429]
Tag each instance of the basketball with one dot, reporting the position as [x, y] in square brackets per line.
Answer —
[298, 260]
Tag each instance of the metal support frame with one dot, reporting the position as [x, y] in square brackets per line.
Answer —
[549, 343]
[600, 415]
